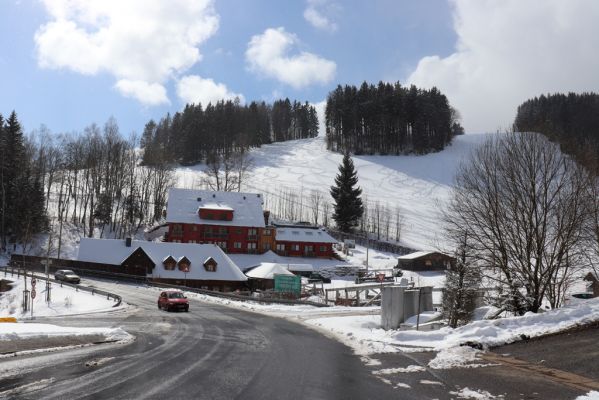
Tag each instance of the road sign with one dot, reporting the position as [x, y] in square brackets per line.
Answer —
[44, 262]
[33, 282]
[380, 277]
[33, 293]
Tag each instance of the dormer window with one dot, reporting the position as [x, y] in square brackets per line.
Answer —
[169, 263]
[184, 264]
[210, 264]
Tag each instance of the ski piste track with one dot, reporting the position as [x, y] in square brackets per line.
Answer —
[419, 184]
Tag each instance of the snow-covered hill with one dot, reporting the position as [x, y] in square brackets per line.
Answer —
[419, 185]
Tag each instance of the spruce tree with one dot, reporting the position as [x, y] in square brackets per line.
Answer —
[348, 203]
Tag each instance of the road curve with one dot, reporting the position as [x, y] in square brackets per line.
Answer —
[212, 352]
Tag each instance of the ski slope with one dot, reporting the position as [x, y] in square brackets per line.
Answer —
[419, 185]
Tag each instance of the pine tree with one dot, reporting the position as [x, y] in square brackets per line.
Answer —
[462, 283]
[348, 203]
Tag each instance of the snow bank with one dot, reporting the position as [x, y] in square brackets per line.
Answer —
[16, 331]
[365, 336]
[589, 396]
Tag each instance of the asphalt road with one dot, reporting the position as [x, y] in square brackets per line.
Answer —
[212, 352]
[217, 352]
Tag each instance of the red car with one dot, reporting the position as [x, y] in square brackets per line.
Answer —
[170, 300]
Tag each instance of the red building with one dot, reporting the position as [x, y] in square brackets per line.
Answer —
[237, 224]
[233, 221]
[303, 241]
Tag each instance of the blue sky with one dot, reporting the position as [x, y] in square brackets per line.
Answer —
[68, 63]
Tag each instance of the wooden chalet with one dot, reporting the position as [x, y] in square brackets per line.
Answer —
[203, 266]
[426, 261]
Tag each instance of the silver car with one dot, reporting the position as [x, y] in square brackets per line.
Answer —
[66, 275]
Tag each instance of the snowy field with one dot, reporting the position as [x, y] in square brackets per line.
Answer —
[64, 300]
[419, 185]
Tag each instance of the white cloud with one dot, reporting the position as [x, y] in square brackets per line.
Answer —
[267, 54]
[316, 14]
[195, 89]
[151, 94]
[136, 41]
[512, 50]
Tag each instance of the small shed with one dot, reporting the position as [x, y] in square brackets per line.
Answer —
[426, 261]
[263, 276]
[593, 280]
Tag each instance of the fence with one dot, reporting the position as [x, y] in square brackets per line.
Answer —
[33, 263]
[22, 272]
[371, 243]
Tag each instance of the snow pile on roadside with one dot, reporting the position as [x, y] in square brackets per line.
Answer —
[589, 396]
[16, 331]
[64, 300]
[365, 335]
[505, 330]
[467, 393]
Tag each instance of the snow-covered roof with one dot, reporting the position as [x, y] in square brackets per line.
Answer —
[417, 254]
[183, 206]
[113, 251]
[268, 271]
[300, 234]
[299, 267]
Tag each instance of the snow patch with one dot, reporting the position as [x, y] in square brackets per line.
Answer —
[467, 393]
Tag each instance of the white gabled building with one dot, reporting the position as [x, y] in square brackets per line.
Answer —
[203, 266]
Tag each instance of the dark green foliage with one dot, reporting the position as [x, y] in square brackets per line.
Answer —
[462, 284]
[226, 127]
[22, 200]
[389, 119]
[570, 120]
[348, 207]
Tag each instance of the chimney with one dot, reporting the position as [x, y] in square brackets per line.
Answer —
[266, 217]
[128, 242]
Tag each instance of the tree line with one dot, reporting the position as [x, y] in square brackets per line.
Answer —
[572, 120]
[22, 200]
[389, 119]
[86, 183]
[197, 133]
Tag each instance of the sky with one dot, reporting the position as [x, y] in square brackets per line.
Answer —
[68, 63]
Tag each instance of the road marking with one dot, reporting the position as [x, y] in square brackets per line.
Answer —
[555, 375]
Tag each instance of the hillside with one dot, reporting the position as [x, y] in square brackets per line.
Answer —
[419, 185]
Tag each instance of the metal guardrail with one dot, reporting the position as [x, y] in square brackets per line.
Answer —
[144, 280]
[83, 288]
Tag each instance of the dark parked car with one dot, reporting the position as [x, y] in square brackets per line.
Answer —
[66, 275]
[316, 277]
[171, 300]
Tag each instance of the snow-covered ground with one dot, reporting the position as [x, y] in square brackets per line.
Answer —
[419, 185]
[365, 336]
[64, 300]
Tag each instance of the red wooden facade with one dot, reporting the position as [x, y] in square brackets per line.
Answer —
[304, 249]
[232, 239]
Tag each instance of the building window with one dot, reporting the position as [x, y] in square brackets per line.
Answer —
[251, 246]
[266, 232]
[266, 246]
[295, 247]
[194, 228]
[192, 241]
[280, 247]
[237, 245]
[210, 264]
[222, 245]
[323, 249]
[177, 230]
[238, 231]
[208, 230]
[252, 231]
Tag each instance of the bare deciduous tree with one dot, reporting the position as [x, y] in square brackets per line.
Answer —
[523, 205]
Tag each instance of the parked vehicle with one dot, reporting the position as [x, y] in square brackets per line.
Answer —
[173, 300]
[66, 275]
[316, 277]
